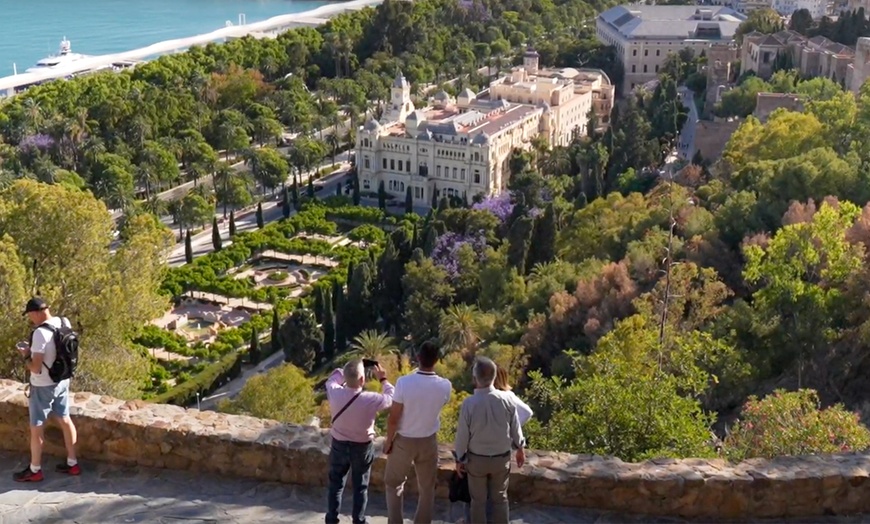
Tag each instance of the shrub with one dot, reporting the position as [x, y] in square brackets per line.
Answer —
[367, 233]
[282, 394]
[277, 276]
[791, 423]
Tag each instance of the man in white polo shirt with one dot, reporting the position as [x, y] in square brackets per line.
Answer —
[412, 439]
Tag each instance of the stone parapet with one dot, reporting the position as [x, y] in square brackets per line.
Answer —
[156, 435]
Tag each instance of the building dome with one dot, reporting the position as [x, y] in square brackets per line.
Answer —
[442, 96]
[481, 139]
[372, 125]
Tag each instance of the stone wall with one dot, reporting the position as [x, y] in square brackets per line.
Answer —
[165, 436]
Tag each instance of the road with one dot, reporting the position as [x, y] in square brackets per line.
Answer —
[686, 145]
[202, 242]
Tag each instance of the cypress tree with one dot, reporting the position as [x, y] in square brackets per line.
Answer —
[310, 191]
[382, 196]
[285, 205]
[254, 351]
[443, 204]
[338, 189]
[414, 238]
[232, 224]
[340, 324]
[429, 242]
[277, 343]
[328, 332]
[519, 239]
[409, 201]
[434, 196]
[337, 291]
[188, 249]
[294, 191]
[216, 240]
[260, 223]
[356, 194]
[543, 246]
[350, 270]
[318, 304]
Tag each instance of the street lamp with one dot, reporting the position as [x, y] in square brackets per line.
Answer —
[197, 401]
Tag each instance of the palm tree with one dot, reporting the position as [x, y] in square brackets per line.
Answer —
[372, 344]
[334, 143]
[461, 328]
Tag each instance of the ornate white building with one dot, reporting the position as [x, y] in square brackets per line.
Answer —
[461, 147]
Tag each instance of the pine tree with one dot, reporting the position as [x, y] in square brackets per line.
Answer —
[328, 332]
[260, 223]
[310, 191]
[232, 224]
[285, 205]
[356, 194]
[409, 201]
[254, 351]
[216, 240]
[188, 249]
[382, 196]
[277, 343]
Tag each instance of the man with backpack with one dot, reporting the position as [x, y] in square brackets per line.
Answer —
[51, 357]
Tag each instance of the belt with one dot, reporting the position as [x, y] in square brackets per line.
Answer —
[500, 455]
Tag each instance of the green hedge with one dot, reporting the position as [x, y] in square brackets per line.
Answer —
[205, 383]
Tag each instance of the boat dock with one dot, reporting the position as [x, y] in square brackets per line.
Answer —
[270, 28]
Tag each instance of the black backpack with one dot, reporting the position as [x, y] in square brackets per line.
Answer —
[66, 344]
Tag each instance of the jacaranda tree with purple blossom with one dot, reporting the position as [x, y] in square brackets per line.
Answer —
[447, 246]
[499, 205]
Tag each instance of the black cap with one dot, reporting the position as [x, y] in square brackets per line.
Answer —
[35, 304]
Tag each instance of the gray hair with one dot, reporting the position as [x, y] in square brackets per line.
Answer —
[354, 375]
[484, 372]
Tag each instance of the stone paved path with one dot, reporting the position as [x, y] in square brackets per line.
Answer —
[110, 494]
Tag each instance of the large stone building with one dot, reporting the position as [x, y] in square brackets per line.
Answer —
[644, 35]
[460, 147]
[812, 57]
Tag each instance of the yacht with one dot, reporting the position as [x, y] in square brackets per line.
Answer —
[64, 56]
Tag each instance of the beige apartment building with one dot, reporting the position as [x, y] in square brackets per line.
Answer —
[644, 35]
[461, 147]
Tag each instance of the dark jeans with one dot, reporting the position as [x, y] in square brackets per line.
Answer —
[356, 458]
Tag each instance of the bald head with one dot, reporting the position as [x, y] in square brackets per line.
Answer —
[354, 375]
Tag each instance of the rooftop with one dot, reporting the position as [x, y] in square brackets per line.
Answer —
[483, 117]
[106, 493]
[673, 21]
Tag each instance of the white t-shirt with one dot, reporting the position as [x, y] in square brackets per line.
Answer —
[43, 342]
[422, 394]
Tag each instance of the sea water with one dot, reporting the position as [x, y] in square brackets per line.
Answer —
[32, 29]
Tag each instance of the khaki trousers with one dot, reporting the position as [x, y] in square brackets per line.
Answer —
[488, 477]
[422, 453]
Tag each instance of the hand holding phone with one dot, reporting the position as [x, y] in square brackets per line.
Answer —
[23, 347]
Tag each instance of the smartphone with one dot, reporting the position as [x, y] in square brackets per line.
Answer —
[22, 345]
[368, 363]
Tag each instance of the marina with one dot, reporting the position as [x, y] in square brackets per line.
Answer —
[270, 28]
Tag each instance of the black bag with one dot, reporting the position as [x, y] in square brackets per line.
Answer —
[66, 344]
[459, 488]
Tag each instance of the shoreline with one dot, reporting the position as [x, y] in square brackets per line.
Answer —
[274, 25]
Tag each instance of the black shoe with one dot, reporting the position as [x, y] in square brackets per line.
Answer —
[63, 467]
[27, 475]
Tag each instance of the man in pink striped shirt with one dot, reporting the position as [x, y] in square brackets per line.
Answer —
[353, 430]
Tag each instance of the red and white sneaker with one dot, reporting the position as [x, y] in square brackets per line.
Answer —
[27, 475]
[63, 467]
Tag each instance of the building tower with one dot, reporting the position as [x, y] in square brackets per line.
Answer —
[720, 58]
[861, 70]
[530, 61]
[400, 101]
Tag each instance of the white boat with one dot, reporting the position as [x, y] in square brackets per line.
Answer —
[64, 56]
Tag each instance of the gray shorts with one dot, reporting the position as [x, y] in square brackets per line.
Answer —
[45, 400]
